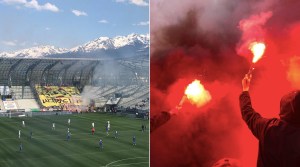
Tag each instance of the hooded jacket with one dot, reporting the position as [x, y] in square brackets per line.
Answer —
[279, 139]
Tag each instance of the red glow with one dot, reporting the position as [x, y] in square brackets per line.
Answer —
[205, 137]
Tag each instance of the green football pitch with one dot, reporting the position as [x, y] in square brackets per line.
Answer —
[49, 147]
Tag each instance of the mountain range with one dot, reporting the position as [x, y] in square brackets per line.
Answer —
[103, 47]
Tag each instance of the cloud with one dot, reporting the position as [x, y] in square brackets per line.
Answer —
[103, 21]
[14, 1]
[14, 43]
[32, 4]
[9, 43]
[47, 28]
[139, 2]
[79, 13]
[142, 23]
[50, 7]
[135, 2]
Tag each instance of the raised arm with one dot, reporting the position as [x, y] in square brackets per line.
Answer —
[158, 120]
[163, 117]
[256, 123]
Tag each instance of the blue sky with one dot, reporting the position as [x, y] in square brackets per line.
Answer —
[68, 23]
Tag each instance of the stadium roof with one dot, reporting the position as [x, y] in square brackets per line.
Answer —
[73, 71]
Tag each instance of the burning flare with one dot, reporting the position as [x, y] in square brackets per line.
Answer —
[197, 94]
[258, 49]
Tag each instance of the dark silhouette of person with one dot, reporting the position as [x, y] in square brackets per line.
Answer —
[164, 116]
[279, 139]
[159, 119]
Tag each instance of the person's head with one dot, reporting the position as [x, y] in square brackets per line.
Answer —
[227, 162]
[290, 108]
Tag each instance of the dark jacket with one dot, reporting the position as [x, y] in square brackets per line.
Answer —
[279, 139]
[158, 120]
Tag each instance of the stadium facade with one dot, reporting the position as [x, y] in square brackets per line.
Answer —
[74, 84]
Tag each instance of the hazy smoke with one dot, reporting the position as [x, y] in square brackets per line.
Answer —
[253, 31]
[106, 74]
[199, 40]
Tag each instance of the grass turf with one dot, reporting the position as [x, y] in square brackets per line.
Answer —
[50, 148]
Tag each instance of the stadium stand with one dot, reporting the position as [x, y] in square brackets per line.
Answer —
[1, 106]
[75, 84]
[27, 105]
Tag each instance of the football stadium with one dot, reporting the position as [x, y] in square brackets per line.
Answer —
[74, 112]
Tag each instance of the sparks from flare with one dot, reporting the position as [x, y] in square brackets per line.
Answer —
[197, 94]
[258, 49]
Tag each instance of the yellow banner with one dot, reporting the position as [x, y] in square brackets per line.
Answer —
[58, 96]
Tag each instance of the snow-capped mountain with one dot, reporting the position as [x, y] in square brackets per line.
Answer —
[103, 46]
[35, 52]
[113, 43]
